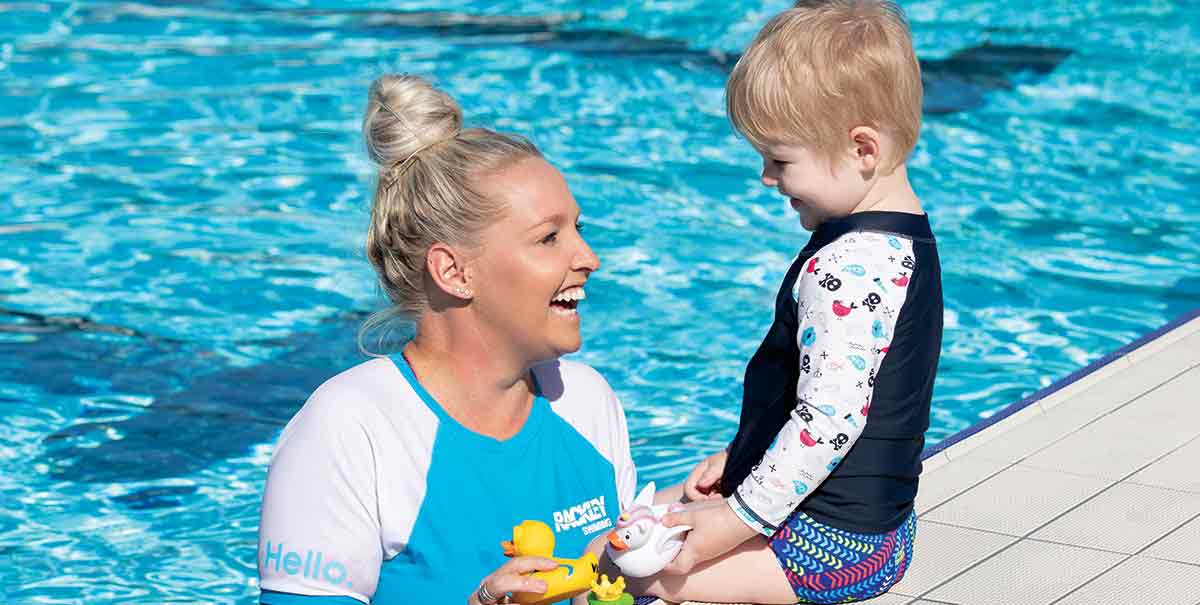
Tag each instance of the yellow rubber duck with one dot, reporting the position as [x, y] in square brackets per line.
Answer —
[570, 578]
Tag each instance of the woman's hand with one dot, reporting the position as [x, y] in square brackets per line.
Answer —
[511, 577]
[704, 482]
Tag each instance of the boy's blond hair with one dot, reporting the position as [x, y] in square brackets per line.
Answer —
[818, 70]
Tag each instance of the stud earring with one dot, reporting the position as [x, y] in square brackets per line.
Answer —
[463, 292]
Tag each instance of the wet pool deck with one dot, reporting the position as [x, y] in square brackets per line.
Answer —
[1086, 492]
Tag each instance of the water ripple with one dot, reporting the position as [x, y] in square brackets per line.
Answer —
[184, 196]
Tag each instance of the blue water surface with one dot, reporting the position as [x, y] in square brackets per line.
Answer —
[184, 195]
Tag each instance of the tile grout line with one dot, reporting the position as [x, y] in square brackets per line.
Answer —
[1166, 560]
[969, 488]
[1061, 515]
[1091, 548]
[1047, 446]
[935, 602]
[1131, 401]
[1166, 335]
[1009, 465]
[1111, 552]
[1182, 492]
[1093, 579]
[1144, 548]
[1127, 558]
[981, 530]
[1080, 428]
[1164, 536]
[1169, 489]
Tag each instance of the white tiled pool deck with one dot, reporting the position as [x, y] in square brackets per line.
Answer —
[1088, 494]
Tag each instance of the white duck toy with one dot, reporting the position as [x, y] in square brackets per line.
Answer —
[641, 545]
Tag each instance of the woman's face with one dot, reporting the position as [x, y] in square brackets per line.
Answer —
[530, 275]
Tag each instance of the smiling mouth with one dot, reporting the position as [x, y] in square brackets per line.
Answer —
[566, 303]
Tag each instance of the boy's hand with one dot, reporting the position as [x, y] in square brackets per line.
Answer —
[705, 480]
[716, 530]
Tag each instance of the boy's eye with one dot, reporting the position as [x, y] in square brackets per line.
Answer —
[579, 226]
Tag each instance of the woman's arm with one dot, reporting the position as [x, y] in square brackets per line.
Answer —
[319, 530]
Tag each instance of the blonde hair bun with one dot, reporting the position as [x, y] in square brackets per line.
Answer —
[429, 187]
[406, 115]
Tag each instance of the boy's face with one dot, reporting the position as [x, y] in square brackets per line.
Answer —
[817, 187]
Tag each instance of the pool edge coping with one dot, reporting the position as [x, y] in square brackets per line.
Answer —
[930, 453]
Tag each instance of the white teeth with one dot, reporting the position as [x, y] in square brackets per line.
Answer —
[570, 295]
[564, 312]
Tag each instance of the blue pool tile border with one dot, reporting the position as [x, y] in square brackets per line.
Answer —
[1065, 381]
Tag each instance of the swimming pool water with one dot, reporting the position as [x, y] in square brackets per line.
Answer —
[183, 198]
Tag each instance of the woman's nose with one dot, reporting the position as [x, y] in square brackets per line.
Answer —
[585, 258]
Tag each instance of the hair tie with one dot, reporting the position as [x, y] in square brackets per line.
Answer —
[396, 169]
[423, 148]
[403, 163]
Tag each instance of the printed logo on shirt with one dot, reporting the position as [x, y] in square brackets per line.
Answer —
[309, 565]
[589, 514]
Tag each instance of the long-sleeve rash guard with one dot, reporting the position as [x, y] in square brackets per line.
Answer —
[837, 397]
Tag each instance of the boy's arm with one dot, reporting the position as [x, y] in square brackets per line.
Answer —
[849, 299]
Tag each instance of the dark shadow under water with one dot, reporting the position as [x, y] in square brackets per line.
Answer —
[957, 83]
[202, 408]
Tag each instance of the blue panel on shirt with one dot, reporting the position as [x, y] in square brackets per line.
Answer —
[478, 488]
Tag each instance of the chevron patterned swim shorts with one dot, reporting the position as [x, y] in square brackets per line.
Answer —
[829, 565]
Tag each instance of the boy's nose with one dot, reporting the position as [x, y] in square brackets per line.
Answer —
[770, 173]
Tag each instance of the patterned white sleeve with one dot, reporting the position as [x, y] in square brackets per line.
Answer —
[848, 297]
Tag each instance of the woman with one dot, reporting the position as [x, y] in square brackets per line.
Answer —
[399, 477]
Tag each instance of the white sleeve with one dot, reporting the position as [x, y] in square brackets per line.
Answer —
[623, 458]
[847, 308]
[319, 533]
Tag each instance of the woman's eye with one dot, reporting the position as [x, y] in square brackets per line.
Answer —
[579, 227]
[550, 239]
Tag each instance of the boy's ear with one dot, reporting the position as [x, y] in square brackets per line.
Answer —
[448, 270]
[866, 147]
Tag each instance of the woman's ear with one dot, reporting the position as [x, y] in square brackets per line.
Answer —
[448, 269]
[867, 147]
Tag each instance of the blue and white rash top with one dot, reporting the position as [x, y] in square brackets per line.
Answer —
[376, 495]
